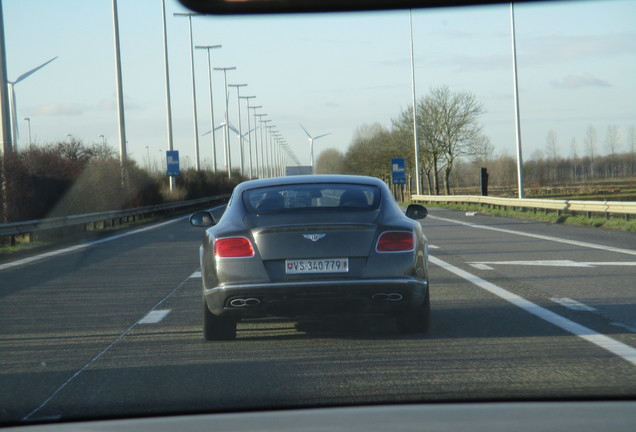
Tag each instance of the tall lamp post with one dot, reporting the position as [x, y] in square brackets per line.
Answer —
[415, 138]
[256, 159]
[516, 93]
[189, 15]
[208, 48]
[264, 155]
[270, 150]
[171, 179]
[261, 168]
[240, 133]
[123, 154]
[249, 133]
[226, 135]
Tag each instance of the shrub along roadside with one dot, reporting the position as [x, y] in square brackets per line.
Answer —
[71, 178]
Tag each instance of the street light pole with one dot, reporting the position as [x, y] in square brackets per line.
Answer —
[516, 97]
[270, 151]
[189, 15]
[256, 160]
[123, 156]
[171, 180]
[264, 157]
[261, 166]
[240, 134]
[416, 144]
[226, 135]
[249, 133]
[208, 48]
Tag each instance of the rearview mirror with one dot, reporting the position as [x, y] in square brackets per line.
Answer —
[416, 211]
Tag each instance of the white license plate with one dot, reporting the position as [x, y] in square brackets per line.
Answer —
[321, 265]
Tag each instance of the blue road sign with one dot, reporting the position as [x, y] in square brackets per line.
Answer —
[172, 163]
[398, 171]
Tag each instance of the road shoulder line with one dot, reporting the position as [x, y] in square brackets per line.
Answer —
[620, 349]
[540, 236]
[82, 246]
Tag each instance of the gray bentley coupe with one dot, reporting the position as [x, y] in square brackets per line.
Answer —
[312, 246]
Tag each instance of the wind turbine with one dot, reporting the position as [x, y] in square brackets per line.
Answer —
[233, 129]
[311, 146]
[13, 113]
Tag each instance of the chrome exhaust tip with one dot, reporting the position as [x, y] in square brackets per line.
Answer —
[247, 302]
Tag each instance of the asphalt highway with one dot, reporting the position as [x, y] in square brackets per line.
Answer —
[520, 311]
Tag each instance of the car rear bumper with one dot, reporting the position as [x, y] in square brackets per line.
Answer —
[310, 298]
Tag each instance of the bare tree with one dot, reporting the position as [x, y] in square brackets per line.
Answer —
[613, 139]
[330, 161]
[551, 148]
[591, 141]
[448, 128]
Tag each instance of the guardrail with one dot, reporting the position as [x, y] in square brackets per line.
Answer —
[572, 206]
[108, 218]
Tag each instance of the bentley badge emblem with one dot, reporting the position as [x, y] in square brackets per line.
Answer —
[314, 237]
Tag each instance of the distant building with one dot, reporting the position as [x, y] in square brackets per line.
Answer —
[298, 170]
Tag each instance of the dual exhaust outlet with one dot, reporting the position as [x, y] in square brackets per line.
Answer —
[390, 297]
[245, 302]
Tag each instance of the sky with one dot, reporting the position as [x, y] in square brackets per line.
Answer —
[332, 73]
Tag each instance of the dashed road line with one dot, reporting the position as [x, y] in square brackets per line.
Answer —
[155, 316]
[573, 304]
[101, 354]
[481, 266]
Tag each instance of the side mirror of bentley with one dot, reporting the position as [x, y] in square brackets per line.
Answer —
[202, 219]
[416, 211]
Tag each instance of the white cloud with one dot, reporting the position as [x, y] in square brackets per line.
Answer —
[58, 110]
[580, 81]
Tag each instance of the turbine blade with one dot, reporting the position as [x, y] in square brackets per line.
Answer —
[320, 136]
[32, 71]
[308, 136]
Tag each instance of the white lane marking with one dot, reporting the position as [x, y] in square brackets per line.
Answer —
[540, 236]
[196, 274]
[624, 326]
[573, 304]
[555, 263]
[481, 266]
[100, 355]
[542, 263]
[625, 352]
[154, 316]
[430, 246]
[83, 245]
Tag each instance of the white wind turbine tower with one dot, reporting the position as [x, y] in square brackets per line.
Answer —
[311, 146]
[13, 113]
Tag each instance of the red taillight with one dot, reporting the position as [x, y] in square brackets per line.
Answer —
[396, 241]
[233, 247]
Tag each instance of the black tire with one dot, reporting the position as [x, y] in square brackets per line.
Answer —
[416, 320]
[217, 328]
